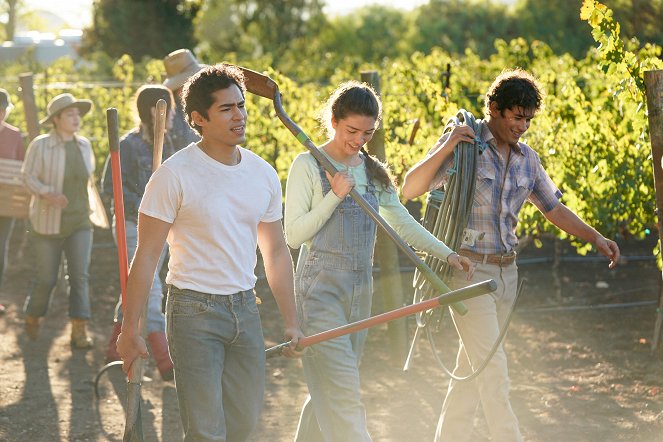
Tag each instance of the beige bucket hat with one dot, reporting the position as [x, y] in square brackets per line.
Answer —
[62, 102]
[180, 65]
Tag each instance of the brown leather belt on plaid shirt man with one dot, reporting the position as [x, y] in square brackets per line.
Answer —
[484, 258]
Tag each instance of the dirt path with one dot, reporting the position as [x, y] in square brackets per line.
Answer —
[578, 374]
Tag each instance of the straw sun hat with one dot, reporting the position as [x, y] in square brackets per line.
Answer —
[180, 65]
[62, 102]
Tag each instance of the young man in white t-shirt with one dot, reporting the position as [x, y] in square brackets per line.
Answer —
[214, 201]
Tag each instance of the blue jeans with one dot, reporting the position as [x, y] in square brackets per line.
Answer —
[6, 225]
[328, 298]
[217, 347]
[156, 321]
[77, 248]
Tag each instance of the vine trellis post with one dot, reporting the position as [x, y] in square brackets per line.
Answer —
[386, 253]
[654, 87]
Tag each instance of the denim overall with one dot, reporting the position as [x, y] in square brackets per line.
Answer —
[334, 287]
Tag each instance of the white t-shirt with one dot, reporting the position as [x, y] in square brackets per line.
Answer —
[215, 210]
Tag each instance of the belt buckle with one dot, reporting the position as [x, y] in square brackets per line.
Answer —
[508, 256]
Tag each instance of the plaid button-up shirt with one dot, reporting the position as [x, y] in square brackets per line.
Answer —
[501, 191]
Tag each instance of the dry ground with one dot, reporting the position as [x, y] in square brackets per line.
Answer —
[578, 373]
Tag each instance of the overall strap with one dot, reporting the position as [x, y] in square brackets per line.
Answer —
[326, 185]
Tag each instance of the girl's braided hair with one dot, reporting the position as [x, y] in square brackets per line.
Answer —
[355, 98]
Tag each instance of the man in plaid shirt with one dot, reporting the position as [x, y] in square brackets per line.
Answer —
[509, 173]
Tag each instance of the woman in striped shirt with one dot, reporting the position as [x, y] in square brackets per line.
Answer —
[58, 171]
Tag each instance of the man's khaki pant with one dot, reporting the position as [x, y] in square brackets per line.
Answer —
[479, 329]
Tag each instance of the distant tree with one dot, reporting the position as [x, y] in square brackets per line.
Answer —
[559, 27]
[642, 19]
[562, 29]
[456, 25]
[371, 33]
[140, 27]
[366, 36]
[254, 28]
[11, 8]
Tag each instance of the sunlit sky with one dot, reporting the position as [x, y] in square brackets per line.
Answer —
[78, 13]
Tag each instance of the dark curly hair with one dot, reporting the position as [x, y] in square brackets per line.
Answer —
[355, 98]
[514, 88]
[197, 91]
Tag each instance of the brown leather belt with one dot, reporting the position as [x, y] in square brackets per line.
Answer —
[500, 260]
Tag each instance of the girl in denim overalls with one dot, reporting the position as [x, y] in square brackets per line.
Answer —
[333, 282]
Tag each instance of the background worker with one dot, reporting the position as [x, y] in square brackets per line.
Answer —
[180, 65]
[136, 151]
[11, 148]
[59, 172]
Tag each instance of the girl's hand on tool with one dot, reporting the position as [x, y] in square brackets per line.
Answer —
[341, 183]
[131, 346]
[293, 335]
[461, 263]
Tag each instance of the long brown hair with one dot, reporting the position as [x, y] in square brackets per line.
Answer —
[355, 98]
[146, 98]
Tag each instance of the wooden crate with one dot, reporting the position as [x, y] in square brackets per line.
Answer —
[14, 197]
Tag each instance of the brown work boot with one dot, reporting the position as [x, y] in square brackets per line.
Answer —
[159, 349]
[32, 327]
[79, 338]
[111, 351]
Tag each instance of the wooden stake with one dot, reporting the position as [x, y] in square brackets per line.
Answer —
[386, 252]
[29, 104]
[654, 85]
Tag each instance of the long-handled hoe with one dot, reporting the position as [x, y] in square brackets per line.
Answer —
[120, 230]
[133, 430]
[480, 288]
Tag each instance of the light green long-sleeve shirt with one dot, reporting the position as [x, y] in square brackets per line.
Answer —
[307, 209]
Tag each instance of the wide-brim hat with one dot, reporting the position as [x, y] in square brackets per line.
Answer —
[62, 102]
[180, 65]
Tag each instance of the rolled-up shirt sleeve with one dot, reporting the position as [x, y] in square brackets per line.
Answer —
[545, 194]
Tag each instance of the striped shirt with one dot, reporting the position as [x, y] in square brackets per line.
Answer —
[43, 172]
[501, 191]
